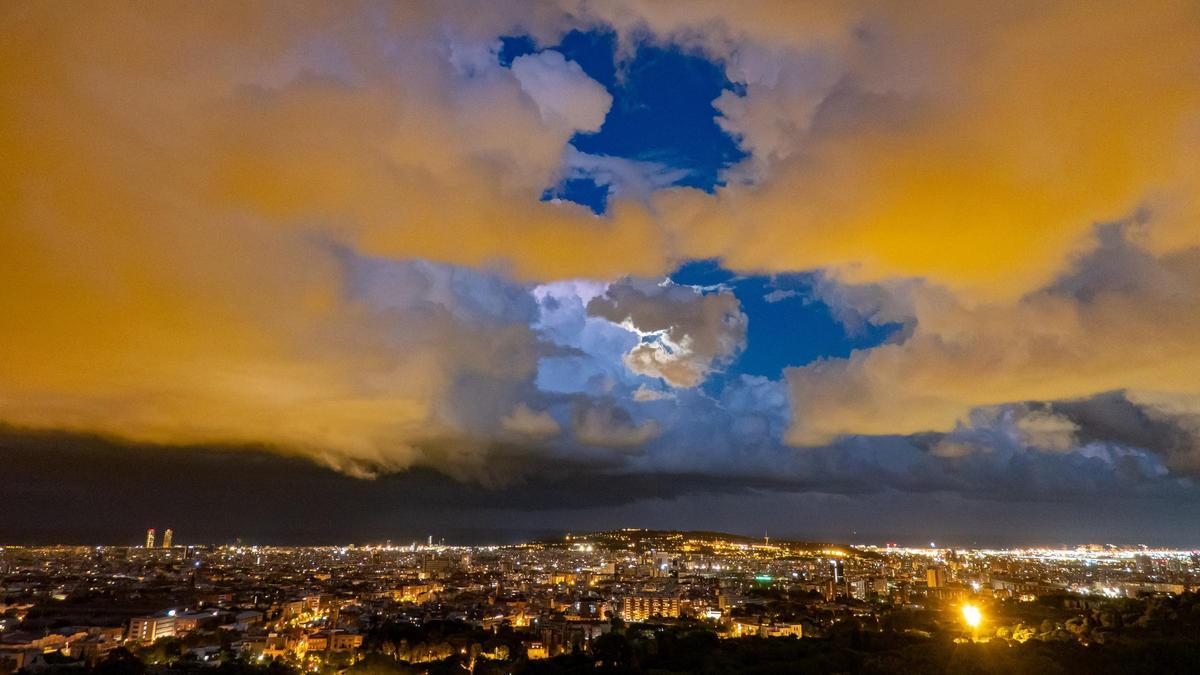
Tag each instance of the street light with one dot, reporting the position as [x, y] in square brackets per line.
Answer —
[972, 616]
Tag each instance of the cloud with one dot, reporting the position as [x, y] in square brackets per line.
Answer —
[563, 93]
[684, 334]
[1167, 424]
[644, 393]
[1043, 429]
[609, 426]
[778, 295]
[222, 250]
[895, 143]
[624, 178]
[1132, 326]
[526, 422]
[327, 237]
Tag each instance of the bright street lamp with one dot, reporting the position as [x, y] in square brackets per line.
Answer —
[972, 616]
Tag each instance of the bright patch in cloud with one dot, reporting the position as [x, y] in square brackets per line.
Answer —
[683, 335]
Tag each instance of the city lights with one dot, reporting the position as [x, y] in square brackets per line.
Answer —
[314, 609]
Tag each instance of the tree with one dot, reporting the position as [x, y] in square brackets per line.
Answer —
[120, 661]
[612, 650]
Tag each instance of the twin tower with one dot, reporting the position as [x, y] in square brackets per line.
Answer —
[167, 534]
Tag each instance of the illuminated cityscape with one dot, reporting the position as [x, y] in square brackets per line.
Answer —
[569, 599]
[537, 337]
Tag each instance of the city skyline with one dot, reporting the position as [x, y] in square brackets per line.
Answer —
[620, 600]
[308, 273]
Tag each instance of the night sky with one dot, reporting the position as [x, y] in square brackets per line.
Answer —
[346, 272]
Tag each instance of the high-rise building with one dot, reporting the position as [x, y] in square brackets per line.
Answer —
[839, 570]
[935, 577]
[147, 629]
[167, 537]
[661, 561]
[150, 538]
[643, 606]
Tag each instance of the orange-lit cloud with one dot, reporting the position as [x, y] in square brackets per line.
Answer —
[1121, 318]
[183, 183]
[972, 145]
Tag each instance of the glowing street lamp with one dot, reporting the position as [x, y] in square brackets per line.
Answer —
[972, 617]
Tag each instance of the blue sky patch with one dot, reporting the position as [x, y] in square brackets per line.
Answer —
[662, 113]
[788, 325]
[581, 191]
[512, 46]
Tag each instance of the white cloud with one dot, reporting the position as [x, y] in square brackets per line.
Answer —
[644, 393]
[564, 94]
[625, 178]
[778, 295]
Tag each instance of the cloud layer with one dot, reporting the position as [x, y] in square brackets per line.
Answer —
[1118, 318]
[320, 229]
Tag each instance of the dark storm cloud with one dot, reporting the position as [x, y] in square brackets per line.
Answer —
[1113, 417]
[70, 487]
[67, 487]
[1143, 421]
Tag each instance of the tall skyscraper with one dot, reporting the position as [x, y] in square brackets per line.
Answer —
[839, 571]
[150, 538]
[167, 537]
[935, 577]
